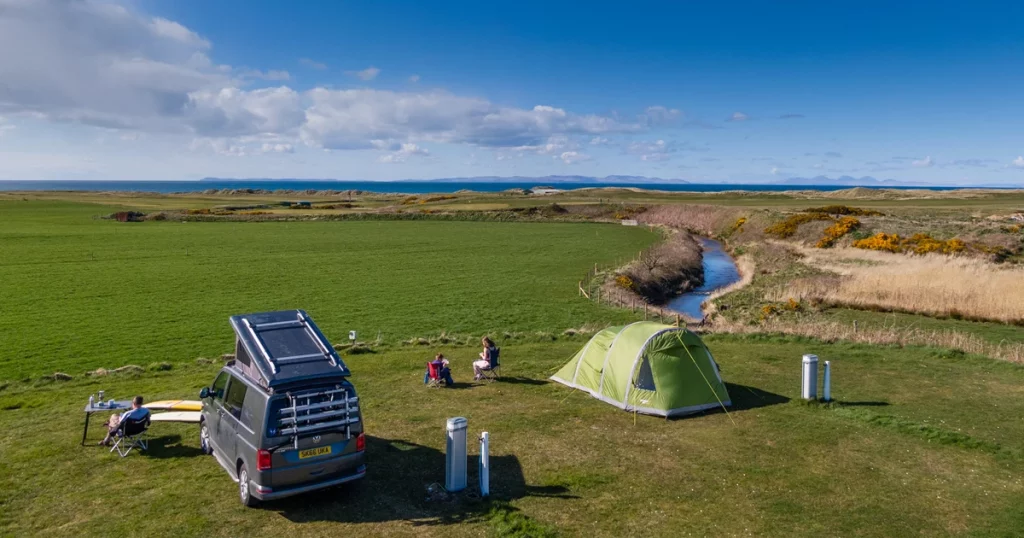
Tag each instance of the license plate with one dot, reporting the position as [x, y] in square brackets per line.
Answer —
[314, 452]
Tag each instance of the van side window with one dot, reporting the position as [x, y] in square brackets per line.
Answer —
[218, 386]
[235, 398]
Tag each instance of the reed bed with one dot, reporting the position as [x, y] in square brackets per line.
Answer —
[944, 286]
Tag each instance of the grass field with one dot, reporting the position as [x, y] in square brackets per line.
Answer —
[922, 444]
[922, 440]
[80, 293]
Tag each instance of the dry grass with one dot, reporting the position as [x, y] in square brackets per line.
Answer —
[706, 220]
[936, 285]
[842, 332]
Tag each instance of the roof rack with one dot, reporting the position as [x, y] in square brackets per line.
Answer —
[284, 347]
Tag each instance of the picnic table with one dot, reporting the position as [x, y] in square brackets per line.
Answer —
[98, 407]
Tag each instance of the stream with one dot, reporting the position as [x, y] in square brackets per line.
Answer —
[719, 271]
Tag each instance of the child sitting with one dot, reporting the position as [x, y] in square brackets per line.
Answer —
[444, 372]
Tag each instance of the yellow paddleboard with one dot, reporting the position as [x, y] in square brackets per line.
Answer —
[175, 405]
[176, 416]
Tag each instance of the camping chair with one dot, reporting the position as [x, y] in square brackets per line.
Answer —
[493, 371]
[434, 380]
[131, 433]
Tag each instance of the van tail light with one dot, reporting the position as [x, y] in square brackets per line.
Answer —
[263, 460]
[360, 442]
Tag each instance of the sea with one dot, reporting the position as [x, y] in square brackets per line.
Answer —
[406, 187]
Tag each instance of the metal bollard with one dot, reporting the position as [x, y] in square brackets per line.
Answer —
[809, 380]
[455, 455]
[826, 383]
[485, 464]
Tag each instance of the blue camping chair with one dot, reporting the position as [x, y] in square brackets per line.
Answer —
[493, 371]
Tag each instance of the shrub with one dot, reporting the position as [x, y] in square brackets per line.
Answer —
[738, 225]
[880, 241]
[624, 282]
[160, 366]
[836, 231]
[788, 227]
[793, 305]
[844, 210]
[919, 243]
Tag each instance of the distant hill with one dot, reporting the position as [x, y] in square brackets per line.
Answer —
[850, 181]
[639, 180]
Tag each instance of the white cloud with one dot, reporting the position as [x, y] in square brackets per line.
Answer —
[653, 151]
[738, 116]
[99, 64]
[414, 78]
[313, 64]
[5, 126]
[272, 74]
[572, 157]
[775, 170]
[927, 162]
[659, 115]
[598, 141]
[402, 153]
[1018, 162]
[277, 148]
[367, 74]
[349, 119]
[106, 65]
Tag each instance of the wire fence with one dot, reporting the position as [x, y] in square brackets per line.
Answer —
[599, 286]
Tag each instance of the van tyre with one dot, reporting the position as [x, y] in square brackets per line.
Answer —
[243, 488]
[204, 439]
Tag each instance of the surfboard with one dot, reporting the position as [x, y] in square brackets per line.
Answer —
[176, 416]
[175, 405]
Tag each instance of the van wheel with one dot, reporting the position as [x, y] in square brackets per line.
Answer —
[243, 487]
[204, 439]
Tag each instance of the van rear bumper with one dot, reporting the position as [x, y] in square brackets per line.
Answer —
[265, 493]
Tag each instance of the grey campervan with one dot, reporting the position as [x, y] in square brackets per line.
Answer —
[282, 418]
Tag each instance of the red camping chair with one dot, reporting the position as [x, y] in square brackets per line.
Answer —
[434, 380]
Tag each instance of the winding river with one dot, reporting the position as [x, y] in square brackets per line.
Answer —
[719, 271]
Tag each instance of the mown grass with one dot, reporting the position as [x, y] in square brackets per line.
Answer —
[80, 293]
[943, 459]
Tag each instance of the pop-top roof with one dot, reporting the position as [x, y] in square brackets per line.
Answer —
[286, 347]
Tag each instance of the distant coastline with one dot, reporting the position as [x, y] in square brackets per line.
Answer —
[423, 186]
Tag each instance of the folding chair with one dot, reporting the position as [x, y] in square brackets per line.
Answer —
[493, 371]
[131, 433]
[434, 380]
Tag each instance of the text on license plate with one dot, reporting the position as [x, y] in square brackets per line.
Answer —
[314, 452]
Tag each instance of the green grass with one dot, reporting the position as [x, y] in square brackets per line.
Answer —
[992, 332]
[80, 293]
[919, 444]
[921, 441]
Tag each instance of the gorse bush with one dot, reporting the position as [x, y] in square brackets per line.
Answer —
[917, 244]
[788, 227]
[738, 225]
[836, 231]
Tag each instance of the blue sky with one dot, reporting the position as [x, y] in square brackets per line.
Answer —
[707, 92]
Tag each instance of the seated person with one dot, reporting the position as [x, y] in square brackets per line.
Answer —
[137, 412]
[444, 372]
[486, 357]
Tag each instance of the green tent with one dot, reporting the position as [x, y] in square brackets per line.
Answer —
[648, 368]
